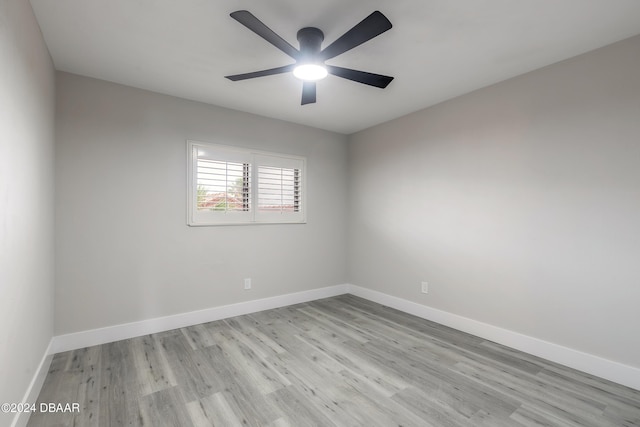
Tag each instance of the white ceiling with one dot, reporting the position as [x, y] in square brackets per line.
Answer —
[436, 50]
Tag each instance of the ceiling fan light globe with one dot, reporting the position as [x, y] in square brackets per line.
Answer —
[310, 72]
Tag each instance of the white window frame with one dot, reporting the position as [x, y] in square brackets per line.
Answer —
[255, 158]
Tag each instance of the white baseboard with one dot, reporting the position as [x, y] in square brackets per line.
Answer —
[594, 365]
[144, 327]
[22, 418]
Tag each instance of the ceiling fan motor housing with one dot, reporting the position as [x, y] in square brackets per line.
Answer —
[310, 39]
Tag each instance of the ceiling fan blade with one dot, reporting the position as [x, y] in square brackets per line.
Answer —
[308, 93]
[370, 27]
[364, 77]
[262, 73]
[247, 19]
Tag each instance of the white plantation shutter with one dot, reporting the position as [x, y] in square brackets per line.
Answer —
[223, 186]
[279, 188]
[228, 185]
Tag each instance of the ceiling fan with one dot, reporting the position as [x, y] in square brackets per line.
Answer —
[310, 58]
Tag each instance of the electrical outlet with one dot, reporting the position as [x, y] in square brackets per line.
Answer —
[247, 283]
[425, 287]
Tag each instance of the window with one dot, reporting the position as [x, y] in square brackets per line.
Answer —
[229, 185]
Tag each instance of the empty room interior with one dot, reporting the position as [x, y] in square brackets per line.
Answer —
[439, 226]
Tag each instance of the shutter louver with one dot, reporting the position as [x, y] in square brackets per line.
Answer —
[278, 189]
[223, 186]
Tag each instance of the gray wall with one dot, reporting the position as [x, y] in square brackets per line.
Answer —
[124, 251]
[518, 203]
[26, 199]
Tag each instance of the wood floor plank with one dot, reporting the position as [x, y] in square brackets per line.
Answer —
[340, 361]
[119, 389]
[435, 411]
[574, 412]
[164, 408]
[281, 422]
[364, 395]
[245, 360]
[319, 388]
[247, 402]
[151, 366]
[529, 416]
[534, 388]
[213, 411]
[65, 389]
[195, 376]
[244, 331]
[297, 410]
[349, 359]
[198, 336]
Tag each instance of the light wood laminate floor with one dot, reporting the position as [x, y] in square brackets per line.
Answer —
[341, 361]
